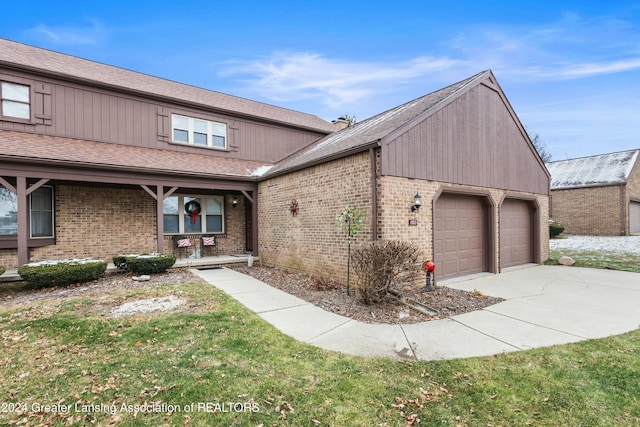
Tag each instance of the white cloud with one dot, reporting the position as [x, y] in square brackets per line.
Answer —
[294, 76]
[597, 68]
[89, 34]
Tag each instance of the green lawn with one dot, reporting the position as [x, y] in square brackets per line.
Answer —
[215, 363]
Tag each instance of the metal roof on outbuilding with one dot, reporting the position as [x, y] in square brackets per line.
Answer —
[592, 171]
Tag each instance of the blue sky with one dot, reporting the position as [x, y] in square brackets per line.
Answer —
[571, 69]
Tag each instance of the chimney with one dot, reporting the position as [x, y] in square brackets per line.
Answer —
[341, 123]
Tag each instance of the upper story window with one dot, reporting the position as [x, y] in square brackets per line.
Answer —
[15, 100]
[200, 132]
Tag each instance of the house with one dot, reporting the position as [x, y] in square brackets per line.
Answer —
[597, 195]
[96, 160]
[484, 188]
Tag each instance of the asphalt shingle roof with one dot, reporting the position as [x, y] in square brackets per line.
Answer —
[601, 170]
[16, 146]
[54, 63]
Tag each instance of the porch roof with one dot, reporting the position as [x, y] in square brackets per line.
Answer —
[50, 150]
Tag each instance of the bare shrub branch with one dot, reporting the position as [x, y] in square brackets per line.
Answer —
[383, 266]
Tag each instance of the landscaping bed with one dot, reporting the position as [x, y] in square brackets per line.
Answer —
[448, 302]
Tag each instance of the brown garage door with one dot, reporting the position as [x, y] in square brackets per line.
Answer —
[459, 235]
[634, 217]
[516, 243]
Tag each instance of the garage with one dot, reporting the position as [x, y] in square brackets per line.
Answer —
[634, 217]
[460, 235]
[516, 233]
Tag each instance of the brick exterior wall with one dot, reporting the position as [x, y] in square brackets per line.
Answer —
[100, 222]
[593, 211]
[310, 241]
[633, 188]
[394, 211]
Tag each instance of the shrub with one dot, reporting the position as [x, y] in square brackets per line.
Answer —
[144, 263]
[555, 229]
[383, 266]
[322, 282]
[2, 269]
[63, 272]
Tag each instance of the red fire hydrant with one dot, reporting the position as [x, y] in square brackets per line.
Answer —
[429, 267]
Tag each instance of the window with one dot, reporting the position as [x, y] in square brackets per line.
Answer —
[182, 216]
[41, 213]
[15, 100]
[8, 212]
[199, 132]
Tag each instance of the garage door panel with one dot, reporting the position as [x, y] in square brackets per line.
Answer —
[516, 233]
[459, 246]
[634, 217]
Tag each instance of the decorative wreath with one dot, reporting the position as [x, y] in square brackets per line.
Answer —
[192, 208]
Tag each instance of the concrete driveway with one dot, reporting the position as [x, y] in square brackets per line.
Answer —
[545, 305]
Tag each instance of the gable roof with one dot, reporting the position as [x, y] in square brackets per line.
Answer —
[70, 152]
[43, 61]
[592, 171]
[369, 132]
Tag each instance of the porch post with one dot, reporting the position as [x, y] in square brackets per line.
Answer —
[23, 220]
[160, 218]
[254, 222]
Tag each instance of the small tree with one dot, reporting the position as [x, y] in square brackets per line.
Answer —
[383, 266]
[540, 146]
[350, 221]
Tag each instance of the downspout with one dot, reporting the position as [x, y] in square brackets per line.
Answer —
[374, 195]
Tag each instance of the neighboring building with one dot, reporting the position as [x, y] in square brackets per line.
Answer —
[98, 160]
[597, 195]
[484, 188]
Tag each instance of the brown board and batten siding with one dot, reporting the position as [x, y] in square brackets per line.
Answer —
[94, 114]
[463, 143]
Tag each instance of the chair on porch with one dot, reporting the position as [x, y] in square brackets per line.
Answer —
[181, 243]
[209, 242]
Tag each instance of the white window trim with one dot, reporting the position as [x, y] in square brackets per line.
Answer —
[210, 133]
[203, 223]
[29, 103]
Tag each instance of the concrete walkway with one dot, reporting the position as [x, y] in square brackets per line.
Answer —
[546, 305]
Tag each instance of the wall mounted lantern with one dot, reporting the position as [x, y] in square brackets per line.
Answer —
[234, 203]
[417, 202]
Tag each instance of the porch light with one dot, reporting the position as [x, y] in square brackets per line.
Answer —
[234, 203]
[417, 202]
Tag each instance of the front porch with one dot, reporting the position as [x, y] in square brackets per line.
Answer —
[12, 275]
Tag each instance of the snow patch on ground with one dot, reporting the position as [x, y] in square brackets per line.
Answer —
[620, 244]
[147, 305]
